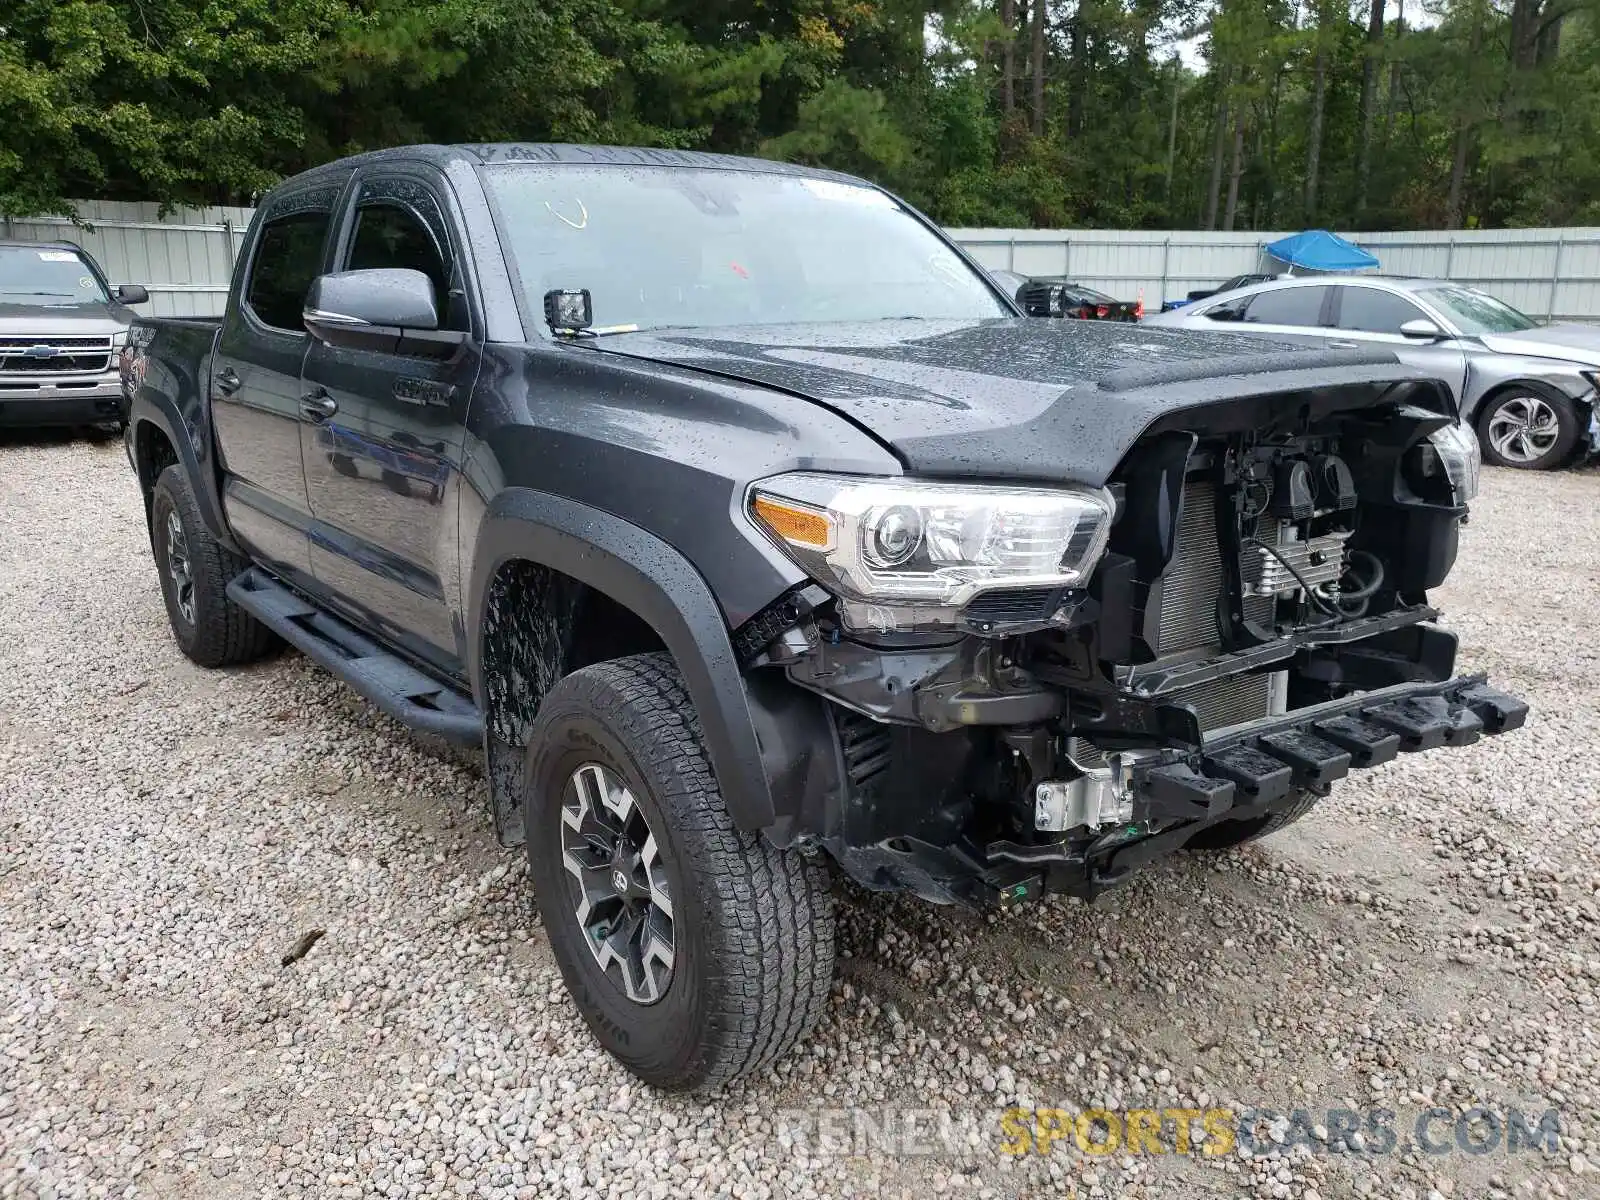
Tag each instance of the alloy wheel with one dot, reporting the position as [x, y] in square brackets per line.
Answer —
[179, 568]
[1524, 429]
[617, 882]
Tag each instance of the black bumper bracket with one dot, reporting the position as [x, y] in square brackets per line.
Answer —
[1316, 762]
[1428, 722]
[1178, 793]
[1369, 745]
[1259, 776]
[1498, 711]
[1250, 767]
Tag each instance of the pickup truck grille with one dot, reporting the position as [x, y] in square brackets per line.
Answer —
[51, 355]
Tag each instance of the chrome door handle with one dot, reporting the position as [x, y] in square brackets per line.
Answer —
[318, 405]
[228, 381]
[1343, 344]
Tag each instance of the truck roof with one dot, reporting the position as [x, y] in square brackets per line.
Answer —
[546, 153]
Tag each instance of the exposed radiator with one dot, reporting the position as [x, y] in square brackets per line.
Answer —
[1227, 701]
[1188, 621]
[1193, 582]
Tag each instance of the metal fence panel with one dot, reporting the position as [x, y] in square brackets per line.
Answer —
[186, 257]
[1551, 274]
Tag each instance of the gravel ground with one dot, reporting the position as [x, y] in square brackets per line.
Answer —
[1430, 938]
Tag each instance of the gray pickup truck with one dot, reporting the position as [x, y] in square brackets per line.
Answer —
[754, 532]
[62, 328]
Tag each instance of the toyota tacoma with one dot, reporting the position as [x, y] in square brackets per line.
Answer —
[756, 535]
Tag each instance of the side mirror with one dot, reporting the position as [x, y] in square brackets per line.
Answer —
[390, 309]
[1421, 330]
[130, 293]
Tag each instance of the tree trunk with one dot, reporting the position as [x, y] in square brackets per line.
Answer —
[1078, 73]
[1458, 177]
[1319, 96]
[1008, 56]
[1526, 18]
[1218, 145]
[1550, 42]
[1234, 171]
[1394, 71]
[1036, 66]
[1271, 153]
[1369, 99]
[1172, 128]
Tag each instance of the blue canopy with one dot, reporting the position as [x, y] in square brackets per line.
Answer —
[1319, 250]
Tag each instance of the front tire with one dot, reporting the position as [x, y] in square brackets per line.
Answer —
[1528, 428]
[1225, 835]
[697, 952]
[195, 569]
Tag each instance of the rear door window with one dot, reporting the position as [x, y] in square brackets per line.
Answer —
[1287, 306]
[1231, 310]
[288, 258]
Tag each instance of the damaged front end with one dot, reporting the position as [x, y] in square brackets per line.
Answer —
[1044, 693]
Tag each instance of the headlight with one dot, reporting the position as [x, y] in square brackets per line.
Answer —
[119, 339]
[1457, 447]
[927, 545]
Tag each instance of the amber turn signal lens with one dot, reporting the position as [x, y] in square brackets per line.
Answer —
[795, 525]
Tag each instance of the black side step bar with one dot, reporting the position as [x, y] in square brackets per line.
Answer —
[399, 689]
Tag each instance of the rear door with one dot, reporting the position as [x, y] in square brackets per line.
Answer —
[255, 379]
[1369, 316]
[383, 434]
[1289, 311]
[1295, 314]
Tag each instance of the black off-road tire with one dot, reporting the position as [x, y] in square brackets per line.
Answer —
[752, 925]
[1227, 834]
[220, 634]
[1569, 428]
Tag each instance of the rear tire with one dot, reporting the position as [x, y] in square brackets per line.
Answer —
[708, 964]
[1528, 427]
[195, 570]
[1225, 835]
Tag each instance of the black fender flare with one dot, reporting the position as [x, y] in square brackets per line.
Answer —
[646, 575]
[193, 447]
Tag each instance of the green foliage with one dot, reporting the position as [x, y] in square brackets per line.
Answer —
[1489, 115]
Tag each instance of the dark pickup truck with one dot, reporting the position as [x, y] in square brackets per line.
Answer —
[752, 529]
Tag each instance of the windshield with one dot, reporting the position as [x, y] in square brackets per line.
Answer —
[1476, 312]
[677, 246]
[45, 275]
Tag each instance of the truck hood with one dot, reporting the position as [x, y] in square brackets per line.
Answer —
[76, 320]
[1015, 398]
[1573, 343]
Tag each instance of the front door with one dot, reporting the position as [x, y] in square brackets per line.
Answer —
[383, 435]
[255, 378]
[1369, 316]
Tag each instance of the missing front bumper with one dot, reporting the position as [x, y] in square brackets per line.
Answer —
[1257, 764]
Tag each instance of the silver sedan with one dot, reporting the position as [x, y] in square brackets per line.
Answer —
[1528, 390]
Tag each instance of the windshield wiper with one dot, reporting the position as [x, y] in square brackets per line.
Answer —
[63, 295]
[596, 331]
